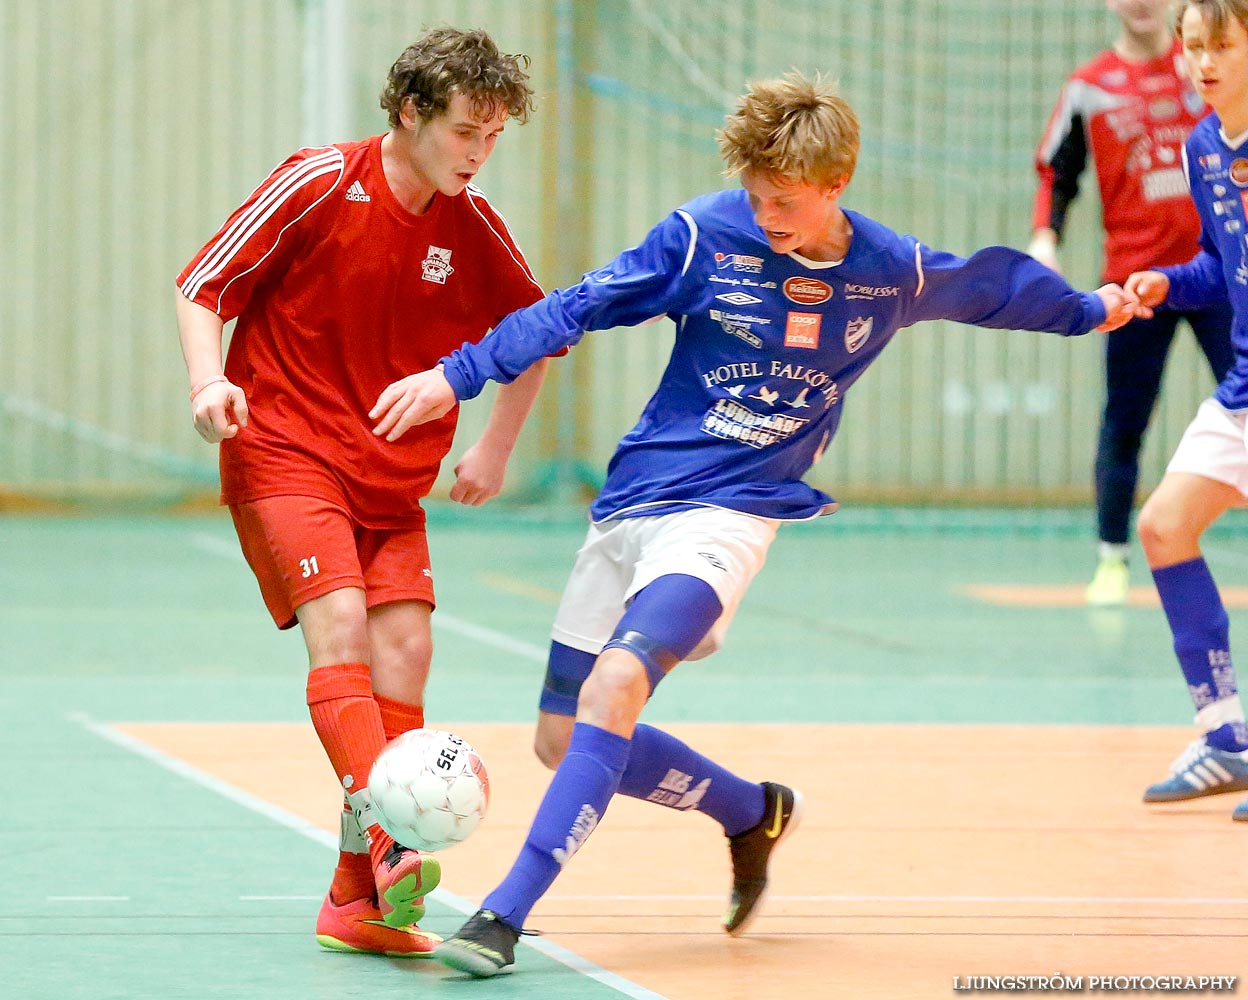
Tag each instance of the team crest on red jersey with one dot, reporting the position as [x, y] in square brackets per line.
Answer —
[437, 266]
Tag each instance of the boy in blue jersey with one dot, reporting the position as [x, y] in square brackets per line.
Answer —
[1209, 471]
[781, 299]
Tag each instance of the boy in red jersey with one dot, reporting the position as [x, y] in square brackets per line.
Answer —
[348, 267]
[1132, 107]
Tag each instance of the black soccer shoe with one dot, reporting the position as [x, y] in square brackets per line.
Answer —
[483, 947]
[752, 850]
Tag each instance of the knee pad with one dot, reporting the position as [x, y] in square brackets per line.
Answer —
[566, 670]
[666, 621]
[655, 657]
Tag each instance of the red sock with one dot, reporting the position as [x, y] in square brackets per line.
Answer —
[348, 722]
[353, 878]
[398, 717]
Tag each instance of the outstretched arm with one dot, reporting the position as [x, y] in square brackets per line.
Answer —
[1000, 288]
[410, 401]
[638, 285]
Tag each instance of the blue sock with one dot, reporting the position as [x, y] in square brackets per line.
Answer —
[1201, 631]
[574, 803]
[662, 769]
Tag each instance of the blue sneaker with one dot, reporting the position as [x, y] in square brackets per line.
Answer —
[1202, 770]
[1241, 812]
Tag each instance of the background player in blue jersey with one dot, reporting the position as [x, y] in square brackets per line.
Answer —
[781, 299]
[1209, 471]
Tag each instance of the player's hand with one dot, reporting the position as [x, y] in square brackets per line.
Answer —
[1043, 248]
[1120, 306]
[1150, 287]
[410, 401]
[219, 411]
[479, 475]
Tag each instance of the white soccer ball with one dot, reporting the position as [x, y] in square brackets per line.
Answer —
[429, 789]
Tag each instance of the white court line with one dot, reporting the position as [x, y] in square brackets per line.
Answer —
[560, 954]
[194, 774]
[488, 636]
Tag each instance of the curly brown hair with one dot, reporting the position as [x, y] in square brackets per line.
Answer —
[793, 127]
[447, 61]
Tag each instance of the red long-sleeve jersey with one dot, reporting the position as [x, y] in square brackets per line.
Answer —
[1133, 118]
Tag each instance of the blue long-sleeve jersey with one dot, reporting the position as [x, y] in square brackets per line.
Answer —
[766, 347]
[1217, 175]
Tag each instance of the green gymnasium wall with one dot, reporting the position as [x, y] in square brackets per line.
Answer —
[130, 128]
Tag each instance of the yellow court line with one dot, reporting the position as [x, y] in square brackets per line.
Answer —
[520, 588]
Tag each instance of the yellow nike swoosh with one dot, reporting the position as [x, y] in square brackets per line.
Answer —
[481, 949]
[774, 830]
[409, 929]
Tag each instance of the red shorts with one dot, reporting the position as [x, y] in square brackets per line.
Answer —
[304, 547]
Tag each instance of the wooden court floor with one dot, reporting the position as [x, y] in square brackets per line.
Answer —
[927, 852]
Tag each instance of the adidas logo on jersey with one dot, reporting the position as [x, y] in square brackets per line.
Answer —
[356, 192]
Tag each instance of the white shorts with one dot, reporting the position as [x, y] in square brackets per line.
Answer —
[620, 557]
[1213, 446]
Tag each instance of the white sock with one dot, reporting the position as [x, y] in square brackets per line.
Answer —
[1112, 550]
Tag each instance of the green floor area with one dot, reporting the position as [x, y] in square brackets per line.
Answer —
[851, 620]
[125, 881]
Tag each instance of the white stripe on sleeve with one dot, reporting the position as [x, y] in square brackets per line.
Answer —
[257, 214]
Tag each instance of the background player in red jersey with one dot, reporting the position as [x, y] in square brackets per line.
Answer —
[350, 266]
[1132, 107]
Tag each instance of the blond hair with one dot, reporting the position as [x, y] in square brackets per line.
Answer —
[446, 61]
[1216, 14]
[794, 128]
